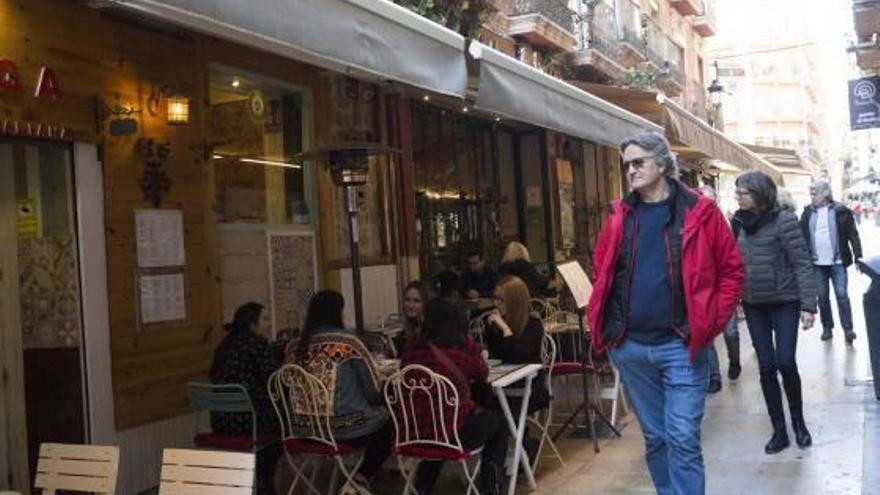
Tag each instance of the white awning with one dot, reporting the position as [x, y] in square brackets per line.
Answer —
[514, 90]
[374, 39]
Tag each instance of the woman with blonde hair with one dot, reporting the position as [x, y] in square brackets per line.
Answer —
[517, 262]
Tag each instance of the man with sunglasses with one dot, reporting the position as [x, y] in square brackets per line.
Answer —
[667, 278]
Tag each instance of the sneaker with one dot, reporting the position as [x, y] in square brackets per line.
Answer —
[359, 486]
[714, 387]
[826, 334]
[850, 336]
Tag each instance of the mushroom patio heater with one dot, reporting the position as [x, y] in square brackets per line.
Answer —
[348, 164]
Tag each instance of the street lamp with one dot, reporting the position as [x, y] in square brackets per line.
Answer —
[348, 164]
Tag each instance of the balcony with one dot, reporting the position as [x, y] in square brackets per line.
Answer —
[687, 7]
[632, 48]
[866, 17]
[699, 104]
[706, 24]
[548, 24]
[599, 60]
[663, 55]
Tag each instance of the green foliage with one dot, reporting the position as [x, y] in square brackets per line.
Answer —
[463, 16]
[636, 79]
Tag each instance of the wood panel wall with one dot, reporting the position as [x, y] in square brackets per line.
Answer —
[94, 54]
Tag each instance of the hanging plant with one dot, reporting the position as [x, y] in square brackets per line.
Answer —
[465, 17]
[636, 79]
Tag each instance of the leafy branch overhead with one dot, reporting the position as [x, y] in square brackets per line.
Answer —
[463, 16]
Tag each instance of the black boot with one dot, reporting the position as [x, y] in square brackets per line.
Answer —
[734, 371]
[826, 334]
[850, 336]
[778, 442]
[801, 433]
[491, 479]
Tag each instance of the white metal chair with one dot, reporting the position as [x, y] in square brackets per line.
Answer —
[203, 472]
[302, 403]
[542, 419]
[420, 437]
[477, 327]
[542, 308]
[78, 468]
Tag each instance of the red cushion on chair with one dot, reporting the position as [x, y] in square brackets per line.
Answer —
[567, 368]
[435, 452]
[240, 443]
[301, 446]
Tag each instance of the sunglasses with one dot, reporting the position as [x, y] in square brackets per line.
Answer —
[637, 163]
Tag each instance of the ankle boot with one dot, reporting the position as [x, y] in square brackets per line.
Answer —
[491, 479]
[801, 433]
[778, 442]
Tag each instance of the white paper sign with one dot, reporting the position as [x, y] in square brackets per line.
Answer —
[577, 281]
[162, 298]
[159, 238]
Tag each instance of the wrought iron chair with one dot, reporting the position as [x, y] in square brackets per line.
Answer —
[427, 437]
[196, 472]
[477, 328]
[542, 419]
[77, 468]
[302, 403]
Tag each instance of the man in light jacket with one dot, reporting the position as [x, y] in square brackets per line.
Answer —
[830, 230]
[667, 276]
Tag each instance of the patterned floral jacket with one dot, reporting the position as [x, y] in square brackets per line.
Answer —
[346, 367]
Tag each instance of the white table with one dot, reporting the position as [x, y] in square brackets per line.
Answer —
[501, 377]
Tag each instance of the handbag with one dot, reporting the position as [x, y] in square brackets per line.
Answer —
[480, 391]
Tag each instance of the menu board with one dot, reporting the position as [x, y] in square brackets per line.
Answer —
[159, 238]
[162, 298]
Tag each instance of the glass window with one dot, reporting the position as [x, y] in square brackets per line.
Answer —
[256, 127]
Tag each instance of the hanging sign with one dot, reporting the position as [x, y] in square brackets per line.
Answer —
[864, 103]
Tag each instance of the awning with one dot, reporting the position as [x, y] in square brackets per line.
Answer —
[516, 91]
[373, 39]
[689, 135]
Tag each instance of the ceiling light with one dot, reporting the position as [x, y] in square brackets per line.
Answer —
[465, 109]
[426, 98]
[236, 82]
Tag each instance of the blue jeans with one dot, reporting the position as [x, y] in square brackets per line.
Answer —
[837, 275]
[668, 395]
[781, 321]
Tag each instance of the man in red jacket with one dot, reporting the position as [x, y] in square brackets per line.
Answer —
[667, 277]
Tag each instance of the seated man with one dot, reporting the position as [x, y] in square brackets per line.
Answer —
[478, 279]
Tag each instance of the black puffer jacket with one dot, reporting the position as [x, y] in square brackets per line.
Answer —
[778, 267]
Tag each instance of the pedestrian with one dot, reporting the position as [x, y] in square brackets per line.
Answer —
[780, 288]
[731, 336]
[667, 278]
[833, 243]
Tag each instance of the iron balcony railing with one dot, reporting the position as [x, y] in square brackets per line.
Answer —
[699, 100]
[555, 10]
[708, 12]
[634, 39]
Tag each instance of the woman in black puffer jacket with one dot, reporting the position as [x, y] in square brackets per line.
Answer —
[779, 288]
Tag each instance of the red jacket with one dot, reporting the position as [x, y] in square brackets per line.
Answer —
[711, 269]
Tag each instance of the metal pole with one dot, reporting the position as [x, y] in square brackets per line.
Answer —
[351, 207]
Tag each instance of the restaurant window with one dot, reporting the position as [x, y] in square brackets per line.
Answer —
[458, 199]
[256, 127]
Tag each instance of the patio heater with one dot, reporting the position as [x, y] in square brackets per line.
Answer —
[348, 164]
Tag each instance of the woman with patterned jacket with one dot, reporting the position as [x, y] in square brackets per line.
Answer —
[337, 357]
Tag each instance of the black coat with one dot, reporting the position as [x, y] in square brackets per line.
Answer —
[525, 271]
[847, 232]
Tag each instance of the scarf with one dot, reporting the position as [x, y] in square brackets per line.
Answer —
[752, 221]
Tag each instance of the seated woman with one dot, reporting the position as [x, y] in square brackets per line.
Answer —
[517, 262]
[414, 298]
[445, 348]
[336, 356]
[515, 337]
[244, 357]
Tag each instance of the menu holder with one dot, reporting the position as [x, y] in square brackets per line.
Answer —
[577, 282]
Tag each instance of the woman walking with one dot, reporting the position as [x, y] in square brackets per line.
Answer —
[779, 289]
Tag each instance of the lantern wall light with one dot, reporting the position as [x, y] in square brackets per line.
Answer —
[178, 110]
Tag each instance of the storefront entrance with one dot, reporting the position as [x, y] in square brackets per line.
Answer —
[40, 306]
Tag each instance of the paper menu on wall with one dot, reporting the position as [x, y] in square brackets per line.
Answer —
[162, 298]
[577, 281]
[159, 236]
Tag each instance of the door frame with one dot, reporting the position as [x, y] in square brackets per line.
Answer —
[15, 465]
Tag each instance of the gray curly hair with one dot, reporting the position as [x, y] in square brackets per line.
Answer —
[822, 187]
[657, 145]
